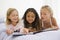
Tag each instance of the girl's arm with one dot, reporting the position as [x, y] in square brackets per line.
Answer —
[22, 29]
[54, 24]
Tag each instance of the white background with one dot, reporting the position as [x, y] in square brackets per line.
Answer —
[22, 5]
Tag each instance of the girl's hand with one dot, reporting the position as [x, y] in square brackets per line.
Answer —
[55, 27]
[25, 30]
[9, 31]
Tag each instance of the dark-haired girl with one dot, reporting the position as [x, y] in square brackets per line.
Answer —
[31, 20]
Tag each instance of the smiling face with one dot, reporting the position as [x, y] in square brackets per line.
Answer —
[30, 17]
[45, 14]
[14, 16]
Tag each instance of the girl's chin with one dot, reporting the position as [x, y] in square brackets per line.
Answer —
[30, 22]
[15, 21]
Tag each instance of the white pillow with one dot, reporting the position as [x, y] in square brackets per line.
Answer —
[2, 20]
[2, 27]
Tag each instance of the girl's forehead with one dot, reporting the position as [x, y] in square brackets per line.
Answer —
[31, 13]
[14, 12]
[44, 10]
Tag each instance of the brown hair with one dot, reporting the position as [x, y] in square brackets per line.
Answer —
[36, 23]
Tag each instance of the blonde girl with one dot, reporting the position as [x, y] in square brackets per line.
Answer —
[13, 23]
[47, 19]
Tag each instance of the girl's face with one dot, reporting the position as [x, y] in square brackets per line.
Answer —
[30, 17]
[45, 14]
[14, 16]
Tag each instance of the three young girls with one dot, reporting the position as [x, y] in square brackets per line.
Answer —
[31, 21]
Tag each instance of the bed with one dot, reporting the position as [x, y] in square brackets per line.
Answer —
[48, 35]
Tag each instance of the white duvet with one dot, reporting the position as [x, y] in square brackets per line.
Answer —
[49, 35]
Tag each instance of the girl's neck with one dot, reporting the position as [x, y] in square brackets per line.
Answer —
[14, 23]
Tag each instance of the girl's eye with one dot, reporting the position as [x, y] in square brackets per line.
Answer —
[28, 16]
[45, 14]
[42, 13]
[16, 15]
[32, 16]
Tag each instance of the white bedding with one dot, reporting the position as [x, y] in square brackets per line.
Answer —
[49, 35]
[2, 27]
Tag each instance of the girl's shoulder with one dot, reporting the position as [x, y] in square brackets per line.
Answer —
[53, 18]
[54, 21]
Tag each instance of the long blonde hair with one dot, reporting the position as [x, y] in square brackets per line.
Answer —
[8, 21]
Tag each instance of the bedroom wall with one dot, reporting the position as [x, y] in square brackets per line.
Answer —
[22, 5]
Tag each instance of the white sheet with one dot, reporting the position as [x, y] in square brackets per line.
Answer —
[49, 35]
